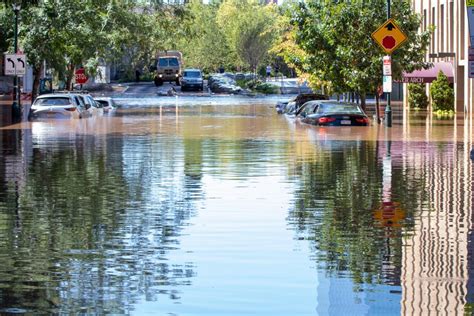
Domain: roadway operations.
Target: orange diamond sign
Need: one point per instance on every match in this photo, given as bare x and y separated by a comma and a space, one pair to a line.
389, 36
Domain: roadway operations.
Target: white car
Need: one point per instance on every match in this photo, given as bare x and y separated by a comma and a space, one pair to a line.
60, 105
108, 103
89, 102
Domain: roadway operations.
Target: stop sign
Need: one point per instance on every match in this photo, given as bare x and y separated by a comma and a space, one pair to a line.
80, 76
388, 42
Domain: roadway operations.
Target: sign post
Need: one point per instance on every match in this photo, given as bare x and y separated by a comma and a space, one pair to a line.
389, 36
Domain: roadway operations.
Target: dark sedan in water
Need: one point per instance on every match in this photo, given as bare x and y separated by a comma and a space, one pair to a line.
332, 113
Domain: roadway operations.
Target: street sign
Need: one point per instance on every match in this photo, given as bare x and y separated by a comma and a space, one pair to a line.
470, 20
471, 62
15, 64
387, 84
387, 66
389, 36
80, 76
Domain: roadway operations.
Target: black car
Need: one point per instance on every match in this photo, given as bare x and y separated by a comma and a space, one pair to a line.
299, 100
332, 113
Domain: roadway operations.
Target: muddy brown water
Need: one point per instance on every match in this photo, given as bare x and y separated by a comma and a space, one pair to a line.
226, 208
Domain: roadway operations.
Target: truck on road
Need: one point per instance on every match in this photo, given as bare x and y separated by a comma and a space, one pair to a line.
169, 67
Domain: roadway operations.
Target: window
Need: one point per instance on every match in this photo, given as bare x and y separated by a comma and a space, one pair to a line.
192, 74
441, 28
59, 101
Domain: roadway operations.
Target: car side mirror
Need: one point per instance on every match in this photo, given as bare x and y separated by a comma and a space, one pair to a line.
303, 114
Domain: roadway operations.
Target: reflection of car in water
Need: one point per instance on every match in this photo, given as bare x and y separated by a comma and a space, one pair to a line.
192, 79
299, 100
332, 113
59, 105
168, 67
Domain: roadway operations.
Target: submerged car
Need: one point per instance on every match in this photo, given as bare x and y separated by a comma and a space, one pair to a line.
332, 113
59, 105
107, 103
192, 79
299, 100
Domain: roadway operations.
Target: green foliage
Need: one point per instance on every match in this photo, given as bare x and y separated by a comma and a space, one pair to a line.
205, 45
442, 94
332, 42
417, 97
250, 30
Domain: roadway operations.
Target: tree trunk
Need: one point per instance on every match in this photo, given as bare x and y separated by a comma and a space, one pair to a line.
362, 100
69, 75
377, 109
37, 70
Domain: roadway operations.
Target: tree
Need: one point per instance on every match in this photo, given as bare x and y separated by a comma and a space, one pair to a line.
338, 48
205, 45
250, 29
417, 97
442, 94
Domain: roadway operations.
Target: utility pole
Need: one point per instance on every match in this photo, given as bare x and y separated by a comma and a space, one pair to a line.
16, 106
388, 109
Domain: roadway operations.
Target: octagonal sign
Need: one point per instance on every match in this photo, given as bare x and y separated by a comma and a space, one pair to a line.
389, 36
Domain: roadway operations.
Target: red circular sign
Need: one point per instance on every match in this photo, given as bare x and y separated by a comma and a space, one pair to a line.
388, 42
80, 76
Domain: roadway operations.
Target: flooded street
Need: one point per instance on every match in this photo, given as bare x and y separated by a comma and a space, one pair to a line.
219, 206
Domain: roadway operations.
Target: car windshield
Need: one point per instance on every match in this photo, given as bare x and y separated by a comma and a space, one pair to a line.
192, 74
58, 101
103, 102
335, 108
171, 61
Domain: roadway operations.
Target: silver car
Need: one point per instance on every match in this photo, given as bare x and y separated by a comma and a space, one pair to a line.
60, 105
192, 79
108, 103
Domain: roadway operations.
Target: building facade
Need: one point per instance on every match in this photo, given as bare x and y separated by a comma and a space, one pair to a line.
449, 44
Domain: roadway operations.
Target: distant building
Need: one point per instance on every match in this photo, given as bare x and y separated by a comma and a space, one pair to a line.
449, 46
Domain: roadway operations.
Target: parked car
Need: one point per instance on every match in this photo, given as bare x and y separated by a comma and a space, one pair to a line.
332, 113
89, 102
300, 99
59, 105
108, 103
192, 79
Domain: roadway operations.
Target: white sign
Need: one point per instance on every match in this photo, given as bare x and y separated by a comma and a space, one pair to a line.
387, 84
15, 64
387, 66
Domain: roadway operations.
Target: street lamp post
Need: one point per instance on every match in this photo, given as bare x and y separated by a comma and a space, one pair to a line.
16, 107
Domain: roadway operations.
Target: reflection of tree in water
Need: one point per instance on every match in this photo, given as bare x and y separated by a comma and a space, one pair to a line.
98, 220
340, 189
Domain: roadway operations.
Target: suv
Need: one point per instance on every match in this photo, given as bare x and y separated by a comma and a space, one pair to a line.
60, 105
192, 79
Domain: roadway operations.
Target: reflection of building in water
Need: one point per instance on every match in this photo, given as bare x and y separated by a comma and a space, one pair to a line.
435, 264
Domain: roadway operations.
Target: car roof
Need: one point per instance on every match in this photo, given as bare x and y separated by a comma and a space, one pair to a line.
103, 98
192, 69
56, 95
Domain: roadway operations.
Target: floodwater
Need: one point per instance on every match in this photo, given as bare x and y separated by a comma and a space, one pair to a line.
222, 207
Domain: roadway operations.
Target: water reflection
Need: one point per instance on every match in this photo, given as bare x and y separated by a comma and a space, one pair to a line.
234, 210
